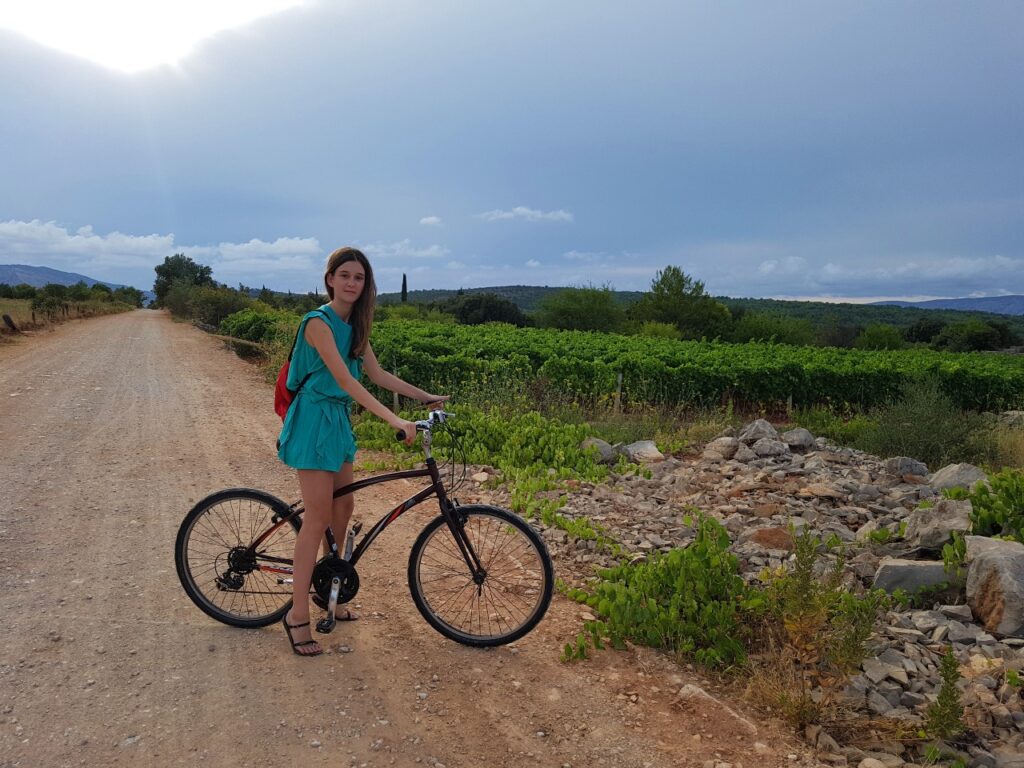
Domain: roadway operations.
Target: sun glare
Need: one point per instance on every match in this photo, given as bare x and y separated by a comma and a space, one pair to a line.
131, 35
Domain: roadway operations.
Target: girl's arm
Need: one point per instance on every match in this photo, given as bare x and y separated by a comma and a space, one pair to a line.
382, 378
319, 336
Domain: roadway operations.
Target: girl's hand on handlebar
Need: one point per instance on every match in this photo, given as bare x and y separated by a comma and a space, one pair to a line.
406, 427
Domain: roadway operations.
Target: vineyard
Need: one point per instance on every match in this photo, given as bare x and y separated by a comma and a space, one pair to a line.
598, 367
587, 366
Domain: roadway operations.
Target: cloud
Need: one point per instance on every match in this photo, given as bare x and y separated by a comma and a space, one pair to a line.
121, 258
404, 249
533, 263
527, 214
431, 221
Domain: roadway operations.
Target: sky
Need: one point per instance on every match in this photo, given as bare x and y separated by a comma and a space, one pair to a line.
822, 149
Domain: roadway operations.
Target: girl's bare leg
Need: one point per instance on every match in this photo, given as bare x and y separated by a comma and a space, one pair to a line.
317, 489
341, 515
341, 512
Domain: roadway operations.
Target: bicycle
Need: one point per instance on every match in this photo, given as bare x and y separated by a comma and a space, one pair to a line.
479, 574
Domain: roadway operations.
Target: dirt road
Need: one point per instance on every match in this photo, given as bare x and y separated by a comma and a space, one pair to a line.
110, 429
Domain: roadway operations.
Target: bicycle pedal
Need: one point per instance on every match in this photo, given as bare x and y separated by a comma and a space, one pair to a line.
326, 625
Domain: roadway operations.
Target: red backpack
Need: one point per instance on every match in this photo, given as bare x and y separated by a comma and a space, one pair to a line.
282, 395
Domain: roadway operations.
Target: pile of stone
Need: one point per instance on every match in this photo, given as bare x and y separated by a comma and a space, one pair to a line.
765, 486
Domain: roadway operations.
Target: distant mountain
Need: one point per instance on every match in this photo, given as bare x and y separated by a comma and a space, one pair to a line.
1000, 305
37, 277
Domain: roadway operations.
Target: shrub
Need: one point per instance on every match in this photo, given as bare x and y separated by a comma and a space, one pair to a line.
211, 305
657, 330
924, 423
760, 326
690, 601
879, 336
945, 716
817, 632
582, 309
997, 508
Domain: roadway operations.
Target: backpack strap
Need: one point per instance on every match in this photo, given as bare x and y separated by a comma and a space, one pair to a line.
292, 351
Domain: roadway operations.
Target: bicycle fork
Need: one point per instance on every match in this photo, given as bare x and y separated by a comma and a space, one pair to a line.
468, 553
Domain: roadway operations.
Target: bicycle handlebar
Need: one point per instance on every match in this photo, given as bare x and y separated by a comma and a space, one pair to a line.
425, 425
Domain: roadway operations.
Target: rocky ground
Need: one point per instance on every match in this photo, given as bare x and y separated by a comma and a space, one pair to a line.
764, 487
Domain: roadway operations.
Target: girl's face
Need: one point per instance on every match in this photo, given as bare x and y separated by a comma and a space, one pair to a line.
348, 281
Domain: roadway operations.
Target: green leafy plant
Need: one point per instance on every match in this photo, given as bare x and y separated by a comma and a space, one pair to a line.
954, 555
997, 507
944, 718
690, 601
818, 631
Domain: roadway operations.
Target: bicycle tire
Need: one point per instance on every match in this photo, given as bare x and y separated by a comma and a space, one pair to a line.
230, 520
515, 593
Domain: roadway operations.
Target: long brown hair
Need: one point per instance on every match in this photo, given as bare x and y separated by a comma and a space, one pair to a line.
361, 318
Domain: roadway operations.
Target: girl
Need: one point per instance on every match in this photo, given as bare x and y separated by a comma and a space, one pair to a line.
333, 347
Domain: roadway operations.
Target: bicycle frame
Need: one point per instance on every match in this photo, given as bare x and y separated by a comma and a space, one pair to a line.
436, 487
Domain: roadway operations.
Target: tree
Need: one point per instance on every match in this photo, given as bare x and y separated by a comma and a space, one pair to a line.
879, 336
128, 295
179, 267
923, 330
781, 329
969, 336
582, 309
79, 291
405, 289
677, 298
267, 297
477, 308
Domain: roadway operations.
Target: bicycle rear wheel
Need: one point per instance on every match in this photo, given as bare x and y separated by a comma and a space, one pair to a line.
218, 565
508, 601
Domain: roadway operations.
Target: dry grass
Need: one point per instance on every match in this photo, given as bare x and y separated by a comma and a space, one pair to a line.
20, 310
1009, 447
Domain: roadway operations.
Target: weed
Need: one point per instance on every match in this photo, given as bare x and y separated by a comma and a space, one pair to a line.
944, 718
690, 601
924, 422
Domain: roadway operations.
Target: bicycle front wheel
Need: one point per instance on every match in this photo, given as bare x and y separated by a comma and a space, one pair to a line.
506, 601
221, 569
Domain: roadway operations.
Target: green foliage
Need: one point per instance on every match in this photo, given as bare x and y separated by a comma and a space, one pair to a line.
581, 309
969, 336
1013, 678
584, 367
657, 330
923, 330
179, 268
690, 601
843, 429
819, 629
997, 507
924, 422
678, 299
261, 324
944, 718
211, 305
954, 555
776, 328
478, 308
879, 336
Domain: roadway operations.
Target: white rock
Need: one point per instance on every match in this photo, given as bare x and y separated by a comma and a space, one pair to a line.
956, 475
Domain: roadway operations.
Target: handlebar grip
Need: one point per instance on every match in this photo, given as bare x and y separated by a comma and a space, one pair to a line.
400, 435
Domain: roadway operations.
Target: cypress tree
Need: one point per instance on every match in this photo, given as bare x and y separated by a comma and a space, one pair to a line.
405, 289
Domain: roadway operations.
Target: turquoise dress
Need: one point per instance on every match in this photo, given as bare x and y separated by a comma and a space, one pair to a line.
317, 431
